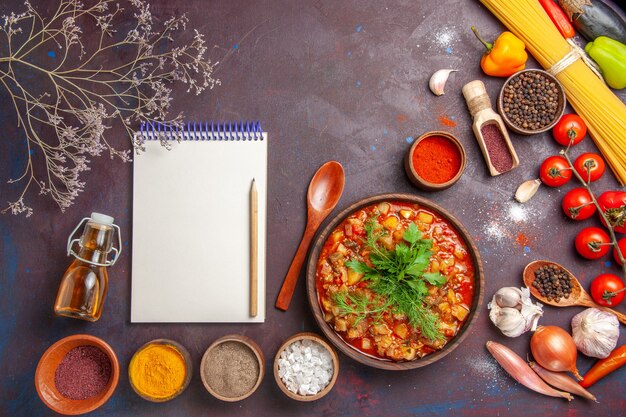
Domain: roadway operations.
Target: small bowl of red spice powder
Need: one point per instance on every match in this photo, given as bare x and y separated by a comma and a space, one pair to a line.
77, 374
435, 161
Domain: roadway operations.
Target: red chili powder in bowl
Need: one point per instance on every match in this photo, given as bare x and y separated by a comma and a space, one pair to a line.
436, 159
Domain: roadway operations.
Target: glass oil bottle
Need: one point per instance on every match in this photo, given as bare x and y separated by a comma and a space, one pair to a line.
84, 285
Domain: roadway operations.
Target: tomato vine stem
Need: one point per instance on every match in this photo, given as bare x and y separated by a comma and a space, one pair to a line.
609, 225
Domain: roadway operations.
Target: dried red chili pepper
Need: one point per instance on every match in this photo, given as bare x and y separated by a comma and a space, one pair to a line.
605, 366
558, 17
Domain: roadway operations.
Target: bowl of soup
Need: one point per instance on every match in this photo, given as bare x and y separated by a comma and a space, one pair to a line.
395, 281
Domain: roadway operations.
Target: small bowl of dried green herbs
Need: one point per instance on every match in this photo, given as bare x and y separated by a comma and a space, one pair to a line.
531, 101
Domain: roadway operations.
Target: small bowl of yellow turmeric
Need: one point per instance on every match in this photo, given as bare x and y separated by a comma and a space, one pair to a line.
160, 370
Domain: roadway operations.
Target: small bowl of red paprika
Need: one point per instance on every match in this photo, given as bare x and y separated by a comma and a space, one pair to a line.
435, 161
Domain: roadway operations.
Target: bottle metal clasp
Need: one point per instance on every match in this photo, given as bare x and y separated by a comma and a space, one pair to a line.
116, 254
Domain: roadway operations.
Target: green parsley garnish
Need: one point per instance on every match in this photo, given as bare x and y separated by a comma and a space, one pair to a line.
398, 277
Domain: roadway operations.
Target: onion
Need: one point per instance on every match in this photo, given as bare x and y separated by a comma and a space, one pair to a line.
521, 372
561, 381
554, 349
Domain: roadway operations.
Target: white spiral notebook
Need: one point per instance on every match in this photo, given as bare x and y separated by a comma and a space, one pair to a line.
191, 223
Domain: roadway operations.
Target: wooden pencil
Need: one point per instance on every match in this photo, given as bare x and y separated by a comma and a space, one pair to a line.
254, 248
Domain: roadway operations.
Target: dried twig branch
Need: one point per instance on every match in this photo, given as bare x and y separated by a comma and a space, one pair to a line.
119, 79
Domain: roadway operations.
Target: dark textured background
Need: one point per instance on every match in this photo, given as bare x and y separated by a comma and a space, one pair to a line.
329, 80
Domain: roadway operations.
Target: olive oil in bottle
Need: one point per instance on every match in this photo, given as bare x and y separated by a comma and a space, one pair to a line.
84, 284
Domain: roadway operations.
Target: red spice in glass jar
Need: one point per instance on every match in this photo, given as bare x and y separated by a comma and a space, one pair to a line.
436, 159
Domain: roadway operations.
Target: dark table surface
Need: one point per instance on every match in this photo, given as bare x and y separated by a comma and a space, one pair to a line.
328, 80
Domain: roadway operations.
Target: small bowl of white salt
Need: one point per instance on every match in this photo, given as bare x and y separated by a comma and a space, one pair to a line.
306, 367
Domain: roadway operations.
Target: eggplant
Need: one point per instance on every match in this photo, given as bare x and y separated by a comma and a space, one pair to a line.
597, 19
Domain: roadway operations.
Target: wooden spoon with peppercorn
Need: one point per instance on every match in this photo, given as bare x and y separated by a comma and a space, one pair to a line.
544, 271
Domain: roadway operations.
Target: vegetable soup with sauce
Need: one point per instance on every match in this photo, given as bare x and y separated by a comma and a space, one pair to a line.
395, 281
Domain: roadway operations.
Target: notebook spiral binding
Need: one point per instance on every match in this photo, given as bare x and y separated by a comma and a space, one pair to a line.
192, 131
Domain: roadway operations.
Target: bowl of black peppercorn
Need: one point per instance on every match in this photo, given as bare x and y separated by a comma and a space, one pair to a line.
531, 101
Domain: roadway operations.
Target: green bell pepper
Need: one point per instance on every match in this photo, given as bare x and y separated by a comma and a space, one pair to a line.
610, 55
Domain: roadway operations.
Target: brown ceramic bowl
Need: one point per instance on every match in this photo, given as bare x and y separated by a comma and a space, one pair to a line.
188, 369
50, 360
351, 351
245, 341
423, 183
333, 379
560, 105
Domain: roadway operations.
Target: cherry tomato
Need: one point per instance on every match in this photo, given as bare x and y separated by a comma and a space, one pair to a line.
622, 248
569, 130
613, 204
604, 287
592, 243
555, 171
577, 204
590, 163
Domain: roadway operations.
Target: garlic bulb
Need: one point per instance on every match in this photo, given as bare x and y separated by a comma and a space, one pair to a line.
513, 312
438, 81
508, 297
595, 332
509, 320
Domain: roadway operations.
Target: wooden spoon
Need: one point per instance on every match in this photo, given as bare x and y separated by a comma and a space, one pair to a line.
578, 297
324, 192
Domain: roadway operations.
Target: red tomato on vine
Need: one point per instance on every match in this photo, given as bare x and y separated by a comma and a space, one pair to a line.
569, 130
590, 166
605, 290
577, 204
592, 243
555, 171
613, 204
622, 248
